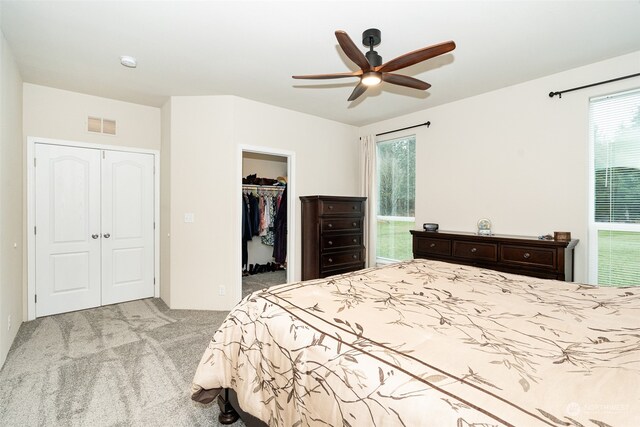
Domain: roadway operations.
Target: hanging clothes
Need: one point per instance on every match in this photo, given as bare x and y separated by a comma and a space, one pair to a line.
280, 226
247, 233
270, 216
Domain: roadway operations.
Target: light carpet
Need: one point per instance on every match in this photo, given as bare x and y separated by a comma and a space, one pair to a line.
257, 282
128, 364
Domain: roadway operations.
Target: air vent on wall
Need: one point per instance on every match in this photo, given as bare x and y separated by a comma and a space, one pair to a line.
100, 125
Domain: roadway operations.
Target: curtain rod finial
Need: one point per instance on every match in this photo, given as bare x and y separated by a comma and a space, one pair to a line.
552, 94
428, 124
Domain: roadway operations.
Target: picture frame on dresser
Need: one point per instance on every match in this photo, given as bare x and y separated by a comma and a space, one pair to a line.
529, 256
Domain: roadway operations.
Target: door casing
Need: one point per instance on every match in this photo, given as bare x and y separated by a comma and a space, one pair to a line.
31, 141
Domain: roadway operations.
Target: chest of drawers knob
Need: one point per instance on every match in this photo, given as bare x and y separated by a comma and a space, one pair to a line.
355, 240
330, 260
355, 224
433, 245
354, 256
474, 250
329, 225
330, 243
526, 255
330, 207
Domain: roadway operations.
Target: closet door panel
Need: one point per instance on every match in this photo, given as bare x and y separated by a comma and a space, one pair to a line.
127, 226
67, 212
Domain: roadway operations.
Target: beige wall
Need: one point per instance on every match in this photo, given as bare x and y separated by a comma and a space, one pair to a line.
514, 156
206, 134
11, 213
60, 114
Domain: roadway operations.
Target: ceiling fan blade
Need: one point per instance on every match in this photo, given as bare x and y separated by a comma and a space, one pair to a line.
416, 56
330, 76
351, 50
359, 90
398, 79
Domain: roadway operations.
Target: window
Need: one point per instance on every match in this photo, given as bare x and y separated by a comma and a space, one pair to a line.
615, 190
396, 179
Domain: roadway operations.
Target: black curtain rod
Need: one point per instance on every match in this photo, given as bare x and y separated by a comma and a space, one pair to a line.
552, 94
427, 124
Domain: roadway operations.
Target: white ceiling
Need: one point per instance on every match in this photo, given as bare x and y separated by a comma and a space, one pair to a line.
251, 49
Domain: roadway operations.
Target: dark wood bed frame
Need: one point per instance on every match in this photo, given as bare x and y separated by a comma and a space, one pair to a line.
230, 410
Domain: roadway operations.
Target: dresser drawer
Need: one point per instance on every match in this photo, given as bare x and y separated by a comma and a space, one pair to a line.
432, 246
340, 242
540, 257
340, 207
340, 224
332, 260
474, 250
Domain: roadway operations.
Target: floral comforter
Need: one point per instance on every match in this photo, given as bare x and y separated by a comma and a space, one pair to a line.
430, 343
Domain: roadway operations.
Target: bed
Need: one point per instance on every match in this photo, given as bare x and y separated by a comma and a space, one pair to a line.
430, 343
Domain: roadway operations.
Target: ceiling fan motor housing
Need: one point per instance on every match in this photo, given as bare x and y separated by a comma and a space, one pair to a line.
371, 38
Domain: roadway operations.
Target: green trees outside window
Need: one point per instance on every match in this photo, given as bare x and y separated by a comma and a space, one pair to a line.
396, 177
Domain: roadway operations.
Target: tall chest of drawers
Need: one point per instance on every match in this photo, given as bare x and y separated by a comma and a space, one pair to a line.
529, 256
332, 235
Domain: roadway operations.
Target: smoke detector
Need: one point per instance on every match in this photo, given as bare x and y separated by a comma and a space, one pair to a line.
129, 61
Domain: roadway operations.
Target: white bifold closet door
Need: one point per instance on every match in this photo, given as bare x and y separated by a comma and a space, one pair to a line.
94, 227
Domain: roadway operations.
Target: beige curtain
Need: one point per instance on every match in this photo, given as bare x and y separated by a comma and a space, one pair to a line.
368, 189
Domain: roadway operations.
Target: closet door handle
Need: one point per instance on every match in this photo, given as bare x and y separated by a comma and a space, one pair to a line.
95, 236
107, 235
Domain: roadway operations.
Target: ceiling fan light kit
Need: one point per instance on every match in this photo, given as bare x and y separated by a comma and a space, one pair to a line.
371, 78
373, 71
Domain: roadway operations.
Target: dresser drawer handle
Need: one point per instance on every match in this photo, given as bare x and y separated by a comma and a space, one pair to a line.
330, 243
433, 245
330, 260
330, 207
355, 256
474, 250
329, 225
526, 255
353, 207
355, 240
354, 224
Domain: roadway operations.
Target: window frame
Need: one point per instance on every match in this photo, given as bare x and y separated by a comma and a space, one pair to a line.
379, 259
594, 227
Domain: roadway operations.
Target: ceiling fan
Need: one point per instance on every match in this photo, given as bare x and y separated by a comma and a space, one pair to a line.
372, 71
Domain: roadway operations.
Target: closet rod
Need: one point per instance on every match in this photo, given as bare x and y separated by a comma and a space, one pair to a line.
559, 93
263, 187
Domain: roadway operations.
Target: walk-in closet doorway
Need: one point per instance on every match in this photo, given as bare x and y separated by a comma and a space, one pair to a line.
267, 197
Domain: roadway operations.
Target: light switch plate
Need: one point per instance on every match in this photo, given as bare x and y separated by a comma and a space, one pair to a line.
188, 217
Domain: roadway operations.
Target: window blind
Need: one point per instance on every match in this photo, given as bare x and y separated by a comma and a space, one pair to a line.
615, 129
